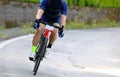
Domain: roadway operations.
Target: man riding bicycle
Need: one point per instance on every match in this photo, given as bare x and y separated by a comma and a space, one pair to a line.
53, 12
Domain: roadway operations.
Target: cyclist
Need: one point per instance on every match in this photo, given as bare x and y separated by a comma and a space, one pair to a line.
50, 11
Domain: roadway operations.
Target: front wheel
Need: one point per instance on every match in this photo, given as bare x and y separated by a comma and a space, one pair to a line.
43, 50
41, 53
37, 63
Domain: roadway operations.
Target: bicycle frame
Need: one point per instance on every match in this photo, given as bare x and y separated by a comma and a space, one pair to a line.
48, 28
44, 36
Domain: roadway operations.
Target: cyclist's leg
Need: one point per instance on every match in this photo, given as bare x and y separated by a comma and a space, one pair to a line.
37, 35
53, 36
54, 33
35, 41
52, 39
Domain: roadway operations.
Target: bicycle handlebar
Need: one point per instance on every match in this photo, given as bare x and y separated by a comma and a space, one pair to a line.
45, 23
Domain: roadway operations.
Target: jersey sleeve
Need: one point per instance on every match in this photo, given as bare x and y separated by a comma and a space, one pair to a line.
64, 8
43, 4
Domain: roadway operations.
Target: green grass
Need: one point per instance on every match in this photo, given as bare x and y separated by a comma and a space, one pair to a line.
1, 35
83, 3
27, 27
1, 27
81, 25
32, 1
95, 3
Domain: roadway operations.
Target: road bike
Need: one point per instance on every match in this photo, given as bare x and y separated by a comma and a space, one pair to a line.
42, 45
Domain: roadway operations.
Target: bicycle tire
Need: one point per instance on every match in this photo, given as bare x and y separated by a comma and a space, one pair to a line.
37, 63
39, 46
41, 54
44, 48
37, 57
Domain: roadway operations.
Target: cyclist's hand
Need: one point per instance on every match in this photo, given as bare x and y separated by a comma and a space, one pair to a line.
61, 32
36, 24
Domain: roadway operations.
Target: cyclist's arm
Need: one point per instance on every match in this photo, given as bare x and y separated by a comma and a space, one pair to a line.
63, 20
41, 9
39, 13
63, 14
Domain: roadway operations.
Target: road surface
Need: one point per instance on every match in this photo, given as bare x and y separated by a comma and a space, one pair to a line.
81, 53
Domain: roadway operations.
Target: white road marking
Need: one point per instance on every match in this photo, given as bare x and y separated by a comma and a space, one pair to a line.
10, 74
12, 40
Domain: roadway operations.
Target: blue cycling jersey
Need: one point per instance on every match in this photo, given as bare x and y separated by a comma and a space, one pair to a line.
53, 10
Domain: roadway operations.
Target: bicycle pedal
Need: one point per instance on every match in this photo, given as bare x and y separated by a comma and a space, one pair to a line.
31, 59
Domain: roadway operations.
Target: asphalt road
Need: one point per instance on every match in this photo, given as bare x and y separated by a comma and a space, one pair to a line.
81, 53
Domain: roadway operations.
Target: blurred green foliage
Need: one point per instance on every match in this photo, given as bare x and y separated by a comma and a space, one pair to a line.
95, 3
84, 3
1, 35
81, 25
34, 1
90, 3
1, 27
